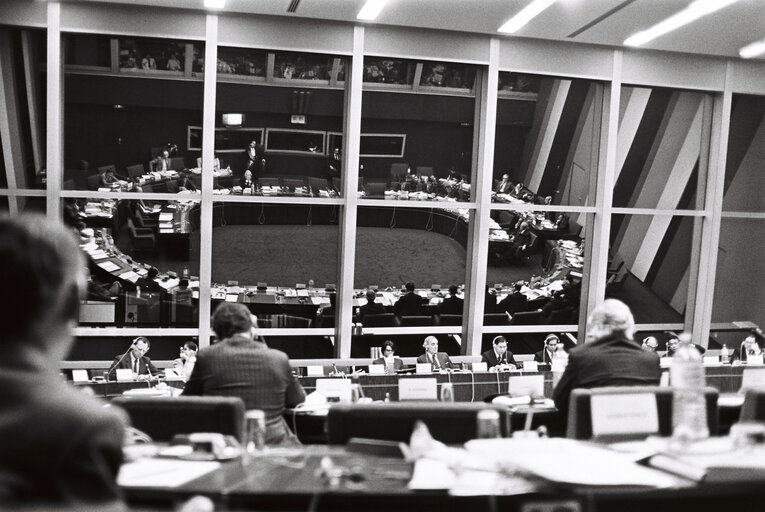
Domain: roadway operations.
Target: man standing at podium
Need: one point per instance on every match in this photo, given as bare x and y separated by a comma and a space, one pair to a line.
239, 366
61, 448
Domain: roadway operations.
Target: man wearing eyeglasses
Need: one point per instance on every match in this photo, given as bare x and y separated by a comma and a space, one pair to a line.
135, 359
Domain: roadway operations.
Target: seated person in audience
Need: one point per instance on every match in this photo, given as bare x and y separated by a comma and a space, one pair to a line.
499, 358
504, 186
545, 355
62, 449
558, 301
256, 159
327, 310
183, 294
246, 181
562, 223
239, 366
452, 305
392, 364
148, 283
515, 301
650, 344
609, 357
185, 183
135, 359
162, 162
489, 300
409, 304
673, 343
333, 166
371, 307
438, 360
110, 179
749, 347
99, 291
184, 365
549, 215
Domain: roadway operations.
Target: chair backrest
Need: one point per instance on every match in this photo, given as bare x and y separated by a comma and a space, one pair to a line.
416, 320
317, 183
495, 319
133, 171
381, 320
398, 170
580, 413
375, 188
526, 318
163, 417
450, 320
450, 423
424, 170
754, 405
326, 321
172, 186
69, 185
104, 168
177, 163
561, 316
292, 183
94, 181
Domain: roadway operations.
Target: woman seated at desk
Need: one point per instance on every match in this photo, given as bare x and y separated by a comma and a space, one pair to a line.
392, 364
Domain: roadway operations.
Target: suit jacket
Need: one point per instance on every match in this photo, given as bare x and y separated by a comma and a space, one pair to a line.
543, 356
610, 361
443, 360
398, 364
247, 369
409, 304
504, 187
148, 285
145, 366
513, 303
490, 358
371, 308
451, 306
162, 164
61, 446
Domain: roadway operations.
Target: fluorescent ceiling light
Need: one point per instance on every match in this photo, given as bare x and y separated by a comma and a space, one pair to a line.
215, 4
371, 10
753, 49
526, 14
694, 11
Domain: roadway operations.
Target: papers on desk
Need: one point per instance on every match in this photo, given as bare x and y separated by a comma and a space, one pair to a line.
129, 276
232, 297
166, 217
317, 301
162, 472
109, 266
170, 283
388, 298
302, 293
568, 461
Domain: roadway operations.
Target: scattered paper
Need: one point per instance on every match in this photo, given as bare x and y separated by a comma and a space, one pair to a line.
162, 473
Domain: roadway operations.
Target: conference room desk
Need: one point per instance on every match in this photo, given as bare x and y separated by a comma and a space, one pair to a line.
367, 482
109, 390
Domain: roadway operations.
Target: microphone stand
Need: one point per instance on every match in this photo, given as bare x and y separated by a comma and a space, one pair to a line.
118, 361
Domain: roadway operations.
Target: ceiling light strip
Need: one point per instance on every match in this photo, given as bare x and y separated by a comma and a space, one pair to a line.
371, 10
694, 11
526, 14
752, 50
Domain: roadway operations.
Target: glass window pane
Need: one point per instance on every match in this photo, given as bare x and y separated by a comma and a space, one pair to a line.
242, 62
547, 139
302, 66
87, 50
743, 169
385, 70
447, 74
278, 259
738, 294
143, 258
23, 204
661, 146
121, 131
649, 265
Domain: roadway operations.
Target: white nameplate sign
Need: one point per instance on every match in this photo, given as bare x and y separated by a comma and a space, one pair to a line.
124, 374
480, 367
527, 385
665, 362
711, 361
424, 368
530, 366
753, 378
171, 374
314, 370
376, 369
754, 360
624, 414
80, 376
417, 389
335, 389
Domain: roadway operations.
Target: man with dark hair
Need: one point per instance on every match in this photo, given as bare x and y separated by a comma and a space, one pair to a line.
452, 305
545, 355
149, 283
609, 357
239, 366
371, 307
499, 358
61, 448
409, 304
514, 302
184, 365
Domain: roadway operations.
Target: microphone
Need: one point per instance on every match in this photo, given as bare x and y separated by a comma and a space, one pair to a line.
119, 360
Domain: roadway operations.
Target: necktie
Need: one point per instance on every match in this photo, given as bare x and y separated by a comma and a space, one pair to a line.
435, 361
135, 365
